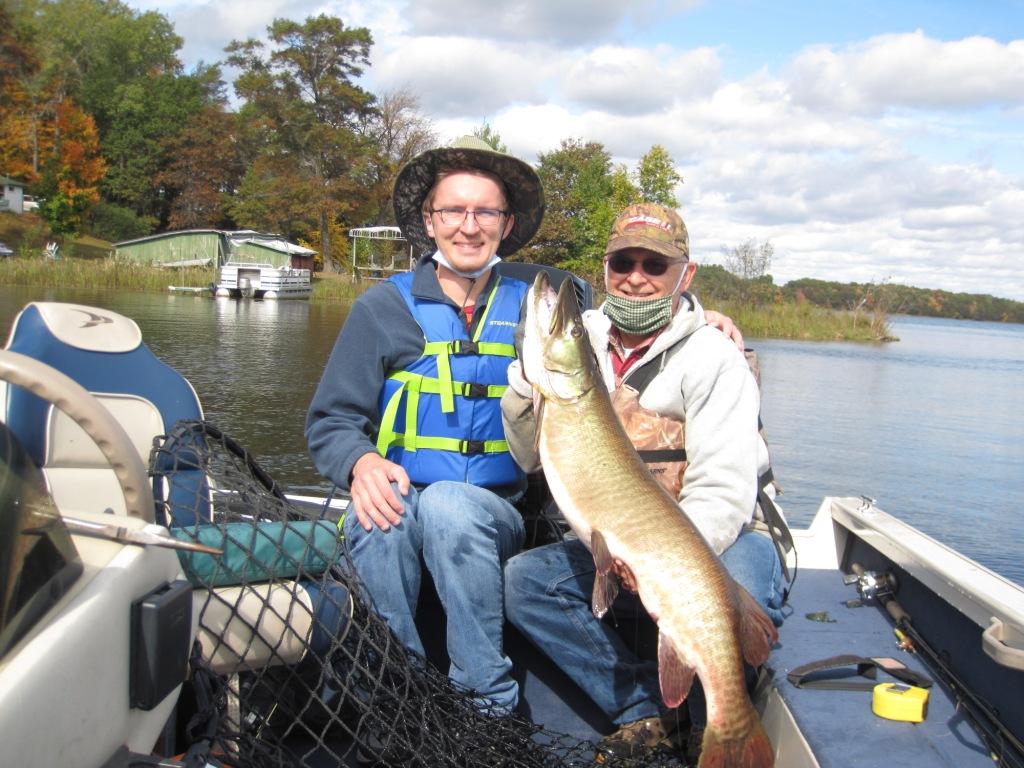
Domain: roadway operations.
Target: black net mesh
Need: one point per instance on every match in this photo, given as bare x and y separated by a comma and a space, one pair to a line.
291, 667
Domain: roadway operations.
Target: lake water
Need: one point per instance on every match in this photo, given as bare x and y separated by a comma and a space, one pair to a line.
931, 426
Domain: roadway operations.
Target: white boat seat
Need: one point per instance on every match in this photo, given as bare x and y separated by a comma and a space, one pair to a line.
77, 472
104, 352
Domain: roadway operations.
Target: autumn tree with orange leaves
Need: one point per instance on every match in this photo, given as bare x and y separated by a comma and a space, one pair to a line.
71, 170
18, 63
46, 139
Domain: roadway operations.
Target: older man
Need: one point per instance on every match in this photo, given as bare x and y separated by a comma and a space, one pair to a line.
407, 413
690, 404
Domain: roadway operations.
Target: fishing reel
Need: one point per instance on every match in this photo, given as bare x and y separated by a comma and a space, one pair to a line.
872, 586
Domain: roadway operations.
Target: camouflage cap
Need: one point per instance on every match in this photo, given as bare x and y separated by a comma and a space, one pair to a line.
522, 187
652, 227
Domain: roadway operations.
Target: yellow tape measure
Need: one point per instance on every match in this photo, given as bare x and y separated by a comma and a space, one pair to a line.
899, 701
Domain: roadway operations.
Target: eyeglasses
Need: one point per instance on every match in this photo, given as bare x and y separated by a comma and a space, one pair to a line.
486, 218
653, 266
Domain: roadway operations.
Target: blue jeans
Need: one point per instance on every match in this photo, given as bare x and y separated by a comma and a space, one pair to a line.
463, 534
547, 598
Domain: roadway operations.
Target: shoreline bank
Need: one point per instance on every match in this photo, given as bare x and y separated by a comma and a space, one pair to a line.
801, 321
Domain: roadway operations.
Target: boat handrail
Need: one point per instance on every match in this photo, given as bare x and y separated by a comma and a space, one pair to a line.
993, 602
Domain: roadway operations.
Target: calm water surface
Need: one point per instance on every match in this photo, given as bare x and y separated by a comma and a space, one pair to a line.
932, 426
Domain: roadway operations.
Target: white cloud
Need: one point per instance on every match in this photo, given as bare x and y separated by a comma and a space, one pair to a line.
208, 27
641, 81
463, 77
911, 70
565, 21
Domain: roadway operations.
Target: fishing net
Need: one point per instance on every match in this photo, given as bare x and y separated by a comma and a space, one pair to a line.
291, 666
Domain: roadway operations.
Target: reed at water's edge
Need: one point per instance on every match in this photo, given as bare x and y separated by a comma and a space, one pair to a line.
797, 320
110, 273
792, 320
329, 288
787, 320
99, 273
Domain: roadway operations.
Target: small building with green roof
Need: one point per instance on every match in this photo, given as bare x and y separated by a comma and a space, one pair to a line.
214, 247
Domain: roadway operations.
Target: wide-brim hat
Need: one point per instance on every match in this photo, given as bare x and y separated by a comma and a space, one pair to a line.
522, 188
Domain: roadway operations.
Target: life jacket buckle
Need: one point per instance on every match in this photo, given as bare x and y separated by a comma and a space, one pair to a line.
471, 447
474, 391
463, 347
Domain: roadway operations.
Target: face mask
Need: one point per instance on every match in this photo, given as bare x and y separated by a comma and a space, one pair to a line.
639, 317
440, 258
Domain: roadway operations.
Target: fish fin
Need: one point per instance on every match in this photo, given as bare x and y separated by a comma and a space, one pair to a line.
538, 414
674, 674
750, 750
757, 633
606, 583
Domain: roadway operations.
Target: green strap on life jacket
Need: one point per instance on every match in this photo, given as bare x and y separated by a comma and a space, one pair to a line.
415, 383
444, 349
454, 444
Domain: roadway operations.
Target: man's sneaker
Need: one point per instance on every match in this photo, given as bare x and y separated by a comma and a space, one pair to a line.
641, 736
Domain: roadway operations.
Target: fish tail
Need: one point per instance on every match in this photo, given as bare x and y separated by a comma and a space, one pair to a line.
749, 750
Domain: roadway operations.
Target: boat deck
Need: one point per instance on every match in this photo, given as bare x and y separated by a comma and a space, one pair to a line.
839, 726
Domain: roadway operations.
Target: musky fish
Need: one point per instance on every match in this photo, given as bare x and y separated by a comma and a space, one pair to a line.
707, 624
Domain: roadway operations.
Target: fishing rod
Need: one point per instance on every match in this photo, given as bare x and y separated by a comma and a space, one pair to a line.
1005, 748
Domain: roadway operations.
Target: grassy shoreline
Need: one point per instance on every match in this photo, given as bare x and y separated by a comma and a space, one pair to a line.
805, 322
801, 321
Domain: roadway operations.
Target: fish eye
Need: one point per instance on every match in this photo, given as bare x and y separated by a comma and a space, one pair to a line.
576, 331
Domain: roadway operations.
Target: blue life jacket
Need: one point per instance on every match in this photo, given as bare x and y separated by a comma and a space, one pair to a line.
441, 416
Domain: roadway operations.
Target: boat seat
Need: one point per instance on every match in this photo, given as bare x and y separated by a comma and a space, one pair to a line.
104, 352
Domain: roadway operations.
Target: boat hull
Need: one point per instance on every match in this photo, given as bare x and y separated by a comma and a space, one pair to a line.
261, 281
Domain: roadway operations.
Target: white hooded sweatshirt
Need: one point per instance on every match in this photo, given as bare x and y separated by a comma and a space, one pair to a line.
706, 383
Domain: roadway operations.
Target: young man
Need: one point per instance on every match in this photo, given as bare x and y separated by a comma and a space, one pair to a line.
414, 429
699, 412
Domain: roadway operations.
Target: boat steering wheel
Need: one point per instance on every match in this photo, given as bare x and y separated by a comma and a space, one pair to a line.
78, 403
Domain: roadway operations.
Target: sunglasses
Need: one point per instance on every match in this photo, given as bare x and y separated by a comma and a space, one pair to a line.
653, 266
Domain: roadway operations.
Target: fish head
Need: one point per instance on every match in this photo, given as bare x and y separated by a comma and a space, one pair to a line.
557, 357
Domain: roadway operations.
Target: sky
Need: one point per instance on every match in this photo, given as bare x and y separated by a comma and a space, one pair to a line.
867, 141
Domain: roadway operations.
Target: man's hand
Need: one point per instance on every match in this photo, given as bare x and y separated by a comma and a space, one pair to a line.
517, 380
725, 324
628, 580
373, 497
626, 577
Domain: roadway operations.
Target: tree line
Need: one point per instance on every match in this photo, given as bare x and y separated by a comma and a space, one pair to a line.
100, 119
716, 284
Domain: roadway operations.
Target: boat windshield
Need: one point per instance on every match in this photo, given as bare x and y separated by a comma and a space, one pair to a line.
38, 560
